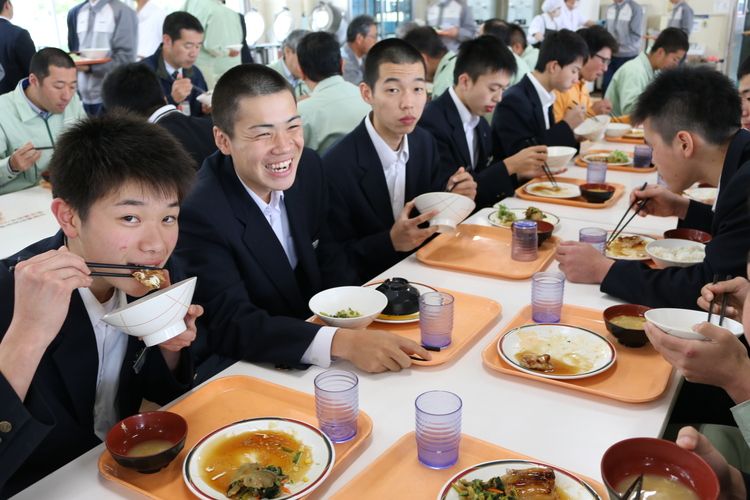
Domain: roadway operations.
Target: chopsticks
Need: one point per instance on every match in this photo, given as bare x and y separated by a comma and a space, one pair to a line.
724, 298
112, 266
711, 305
42, 148
547, 172
636, 488
619, 229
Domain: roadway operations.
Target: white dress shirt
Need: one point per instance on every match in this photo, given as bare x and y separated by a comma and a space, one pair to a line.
161, 112
319, 351
470, 123
547, 98
394, 167
111, 345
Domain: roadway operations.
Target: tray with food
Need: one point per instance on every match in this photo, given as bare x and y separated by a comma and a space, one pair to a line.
570, 192
638, 375
223, 409
485, 250
485, 468
615, 160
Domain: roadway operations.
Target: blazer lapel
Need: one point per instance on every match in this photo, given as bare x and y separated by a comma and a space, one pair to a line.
372, 178
484, 144
294, 201
536, 104
457, 133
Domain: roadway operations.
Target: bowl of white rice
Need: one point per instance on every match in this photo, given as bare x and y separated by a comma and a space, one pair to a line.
676, 253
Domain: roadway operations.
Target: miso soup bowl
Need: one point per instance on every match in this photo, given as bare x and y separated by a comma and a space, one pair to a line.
148, 426
636, 456
629, 337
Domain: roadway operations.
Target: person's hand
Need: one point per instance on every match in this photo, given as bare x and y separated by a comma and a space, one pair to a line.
722, 361
43, 286
181, 89
234, 52
528, 162
176, 344
462, 182
24, 158
406, 235
375, 351
451, 32
736, 290
582, 263
206, 109
662, 202
574, 116
602, 107
731, 484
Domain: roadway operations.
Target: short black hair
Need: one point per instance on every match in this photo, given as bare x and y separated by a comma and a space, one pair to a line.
562, 46
98, 155
671, 40
517, 35
697, 99
390, 50
744, 68
360, 25
180, 20
497, 28
483, 55
49, 56
596, 38
427, 41
245, 80
133, 87
319, 55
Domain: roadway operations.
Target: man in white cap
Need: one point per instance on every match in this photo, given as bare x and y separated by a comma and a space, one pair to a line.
545, 22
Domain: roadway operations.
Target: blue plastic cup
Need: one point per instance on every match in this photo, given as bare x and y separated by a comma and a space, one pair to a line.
547, 297
596, 172
595, 236
642, 156
337, 404
524, 245
436, 318
438, 428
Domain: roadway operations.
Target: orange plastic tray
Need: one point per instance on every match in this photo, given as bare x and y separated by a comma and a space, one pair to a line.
639, 375
626, 140
398, 470
573, 202
472, 315
217, 404
637, 170
483, 250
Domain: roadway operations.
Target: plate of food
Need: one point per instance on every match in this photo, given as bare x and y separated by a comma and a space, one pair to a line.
556, 351
628, 247
615, 158
403, 300
547, 190
515, 479
505, 217
705, 195
270, 457
634, 133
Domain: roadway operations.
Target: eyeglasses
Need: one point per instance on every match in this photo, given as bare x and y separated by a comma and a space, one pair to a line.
603, 59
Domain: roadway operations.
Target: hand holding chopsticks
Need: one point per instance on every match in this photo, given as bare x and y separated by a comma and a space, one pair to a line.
735, 290
98, 265
547, 172
638, 204
724, 297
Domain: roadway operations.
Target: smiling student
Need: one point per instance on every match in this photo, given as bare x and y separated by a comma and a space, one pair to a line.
375, 171
484, 68
254, 232
66, 377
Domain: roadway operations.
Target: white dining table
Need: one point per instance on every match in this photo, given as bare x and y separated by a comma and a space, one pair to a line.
560, 426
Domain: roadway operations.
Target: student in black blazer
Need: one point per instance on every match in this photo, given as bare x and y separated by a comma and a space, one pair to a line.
254, 232
704, 128
65, 377
484, 68
16, 49
376, 170
525, 114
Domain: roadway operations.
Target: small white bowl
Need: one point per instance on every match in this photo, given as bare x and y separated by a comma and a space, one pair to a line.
671, 244
617, 129
157, 317
593, 128
366, 300
205, 98
94, 53
680, 322
452, 209
559, 156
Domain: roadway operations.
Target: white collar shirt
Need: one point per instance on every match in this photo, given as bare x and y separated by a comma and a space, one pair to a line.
470, 123
547, 98
161, 112
111, 346
394, 166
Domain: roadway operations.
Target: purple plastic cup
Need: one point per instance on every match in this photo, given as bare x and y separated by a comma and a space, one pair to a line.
547, 297
523, 245
337, 404
593, 235
436, 318
642, 156
596, 172
438, 428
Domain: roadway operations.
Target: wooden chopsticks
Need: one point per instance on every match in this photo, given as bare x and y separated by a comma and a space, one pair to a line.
618, 229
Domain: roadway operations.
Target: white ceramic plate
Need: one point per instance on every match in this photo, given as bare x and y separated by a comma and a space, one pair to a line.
705, 195
321, 447
567, 190
519, 213
576, 346
409, 318
597, 157
572, 486
618, 256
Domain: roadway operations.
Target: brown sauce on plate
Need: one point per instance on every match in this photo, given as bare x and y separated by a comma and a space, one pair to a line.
558, 366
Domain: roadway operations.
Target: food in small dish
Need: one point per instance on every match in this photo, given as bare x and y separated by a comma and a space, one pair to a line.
151, 279
655, 486
597, 193
626, 322
531, 483
543, 231
628, 247
343, 313
505, 217
367, 302
148, 441
686, 233
679, 253
615, 157
629, 322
